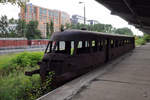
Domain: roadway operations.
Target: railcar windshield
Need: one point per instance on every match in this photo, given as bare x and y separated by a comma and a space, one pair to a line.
64, 47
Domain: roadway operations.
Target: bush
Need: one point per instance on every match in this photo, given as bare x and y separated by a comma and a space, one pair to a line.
14, 85
139, 41
27, 59
146, 37
17, 87
19, 61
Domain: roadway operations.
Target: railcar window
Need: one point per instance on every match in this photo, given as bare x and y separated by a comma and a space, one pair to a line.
86, 44
83, 47
94, 46
72, 48
54, 46
48, 48
125, 41
112, 43
93, 43
105, 42
62, 45
101, 45
80, 44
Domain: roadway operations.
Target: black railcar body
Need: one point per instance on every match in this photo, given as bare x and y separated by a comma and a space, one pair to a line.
73, 52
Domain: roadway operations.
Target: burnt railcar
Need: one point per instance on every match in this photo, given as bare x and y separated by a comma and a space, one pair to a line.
73, 52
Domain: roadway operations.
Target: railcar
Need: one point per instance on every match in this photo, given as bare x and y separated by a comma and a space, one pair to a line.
73, 52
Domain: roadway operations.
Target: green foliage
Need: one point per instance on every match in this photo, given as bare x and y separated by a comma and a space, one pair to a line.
103, 28
139, 41
21, 28
19, 61
39, 90
27, 59
17, 86
3, 26
32, 31
142, 40
124, 31
147, 37
12, 21
51, 27
21, 3
48, 30
62, 28
67, 25
5, 65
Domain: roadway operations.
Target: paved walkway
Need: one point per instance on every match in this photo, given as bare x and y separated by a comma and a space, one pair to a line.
20, 50
127, 80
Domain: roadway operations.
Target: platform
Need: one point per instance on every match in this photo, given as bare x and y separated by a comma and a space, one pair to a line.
128, 80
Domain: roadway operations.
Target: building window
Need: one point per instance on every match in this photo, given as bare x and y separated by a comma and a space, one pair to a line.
40, 17
44, 11
50, 13
56, 14
40, 11
30, 10
34, 9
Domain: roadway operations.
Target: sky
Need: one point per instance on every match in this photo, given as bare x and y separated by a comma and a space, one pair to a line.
94, 11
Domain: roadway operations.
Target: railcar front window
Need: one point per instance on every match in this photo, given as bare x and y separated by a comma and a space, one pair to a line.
54, 46
48, 49
51, 47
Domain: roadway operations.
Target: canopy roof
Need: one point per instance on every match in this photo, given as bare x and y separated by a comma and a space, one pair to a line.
136, 12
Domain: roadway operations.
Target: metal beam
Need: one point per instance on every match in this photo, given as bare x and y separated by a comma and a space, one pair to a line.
132, 11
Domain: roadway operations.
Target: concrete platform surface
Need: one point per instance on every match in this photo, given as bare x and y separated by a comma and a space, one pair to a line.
127, 80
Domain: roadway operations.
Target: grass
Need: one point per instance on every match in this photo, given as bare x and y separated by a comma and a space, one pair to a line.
5, 59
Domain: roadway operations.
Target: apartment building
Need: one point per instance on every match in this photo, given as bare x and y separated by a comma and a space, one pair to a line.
43, 16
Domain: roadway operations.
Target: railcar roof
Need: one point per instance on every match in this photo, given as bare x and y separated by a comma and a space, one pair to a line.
70, 35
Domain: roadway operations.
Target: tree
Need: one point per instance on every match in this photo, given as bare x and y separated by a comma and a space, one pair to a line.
47, 30
147, 37
62, 28
21, 27
32, 31
18, 2
67, 25
108, 28
12, 21
125, 31
3, 26
51, 27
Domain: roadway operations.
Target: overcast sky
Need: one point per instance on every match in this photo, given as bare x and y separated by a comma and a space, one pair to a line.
94, 11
